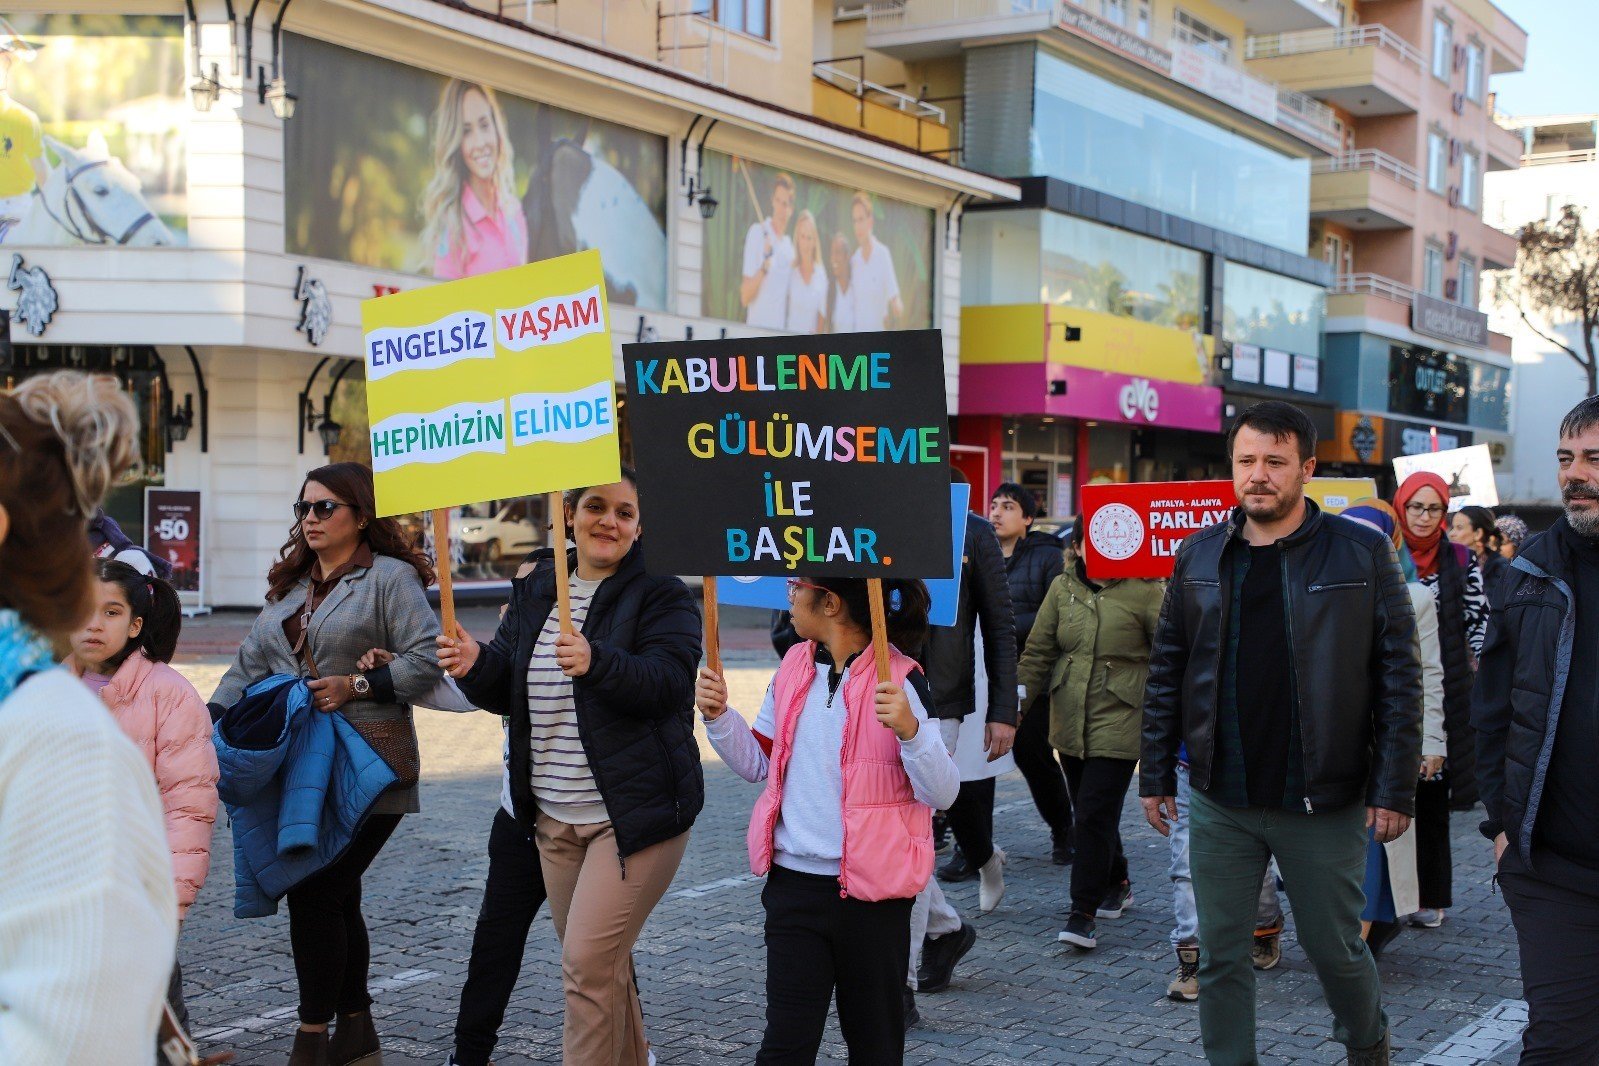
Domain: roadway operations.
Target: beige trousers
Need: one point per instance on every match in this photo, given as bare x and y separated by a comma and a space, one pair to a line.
598, 915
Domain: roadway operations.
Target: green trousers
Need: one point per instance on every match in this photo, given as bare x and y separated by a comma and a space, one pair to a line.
1323, 861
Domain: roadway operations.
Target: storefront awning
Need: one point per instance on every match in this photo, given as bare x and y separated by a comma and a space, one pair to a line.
1099, 395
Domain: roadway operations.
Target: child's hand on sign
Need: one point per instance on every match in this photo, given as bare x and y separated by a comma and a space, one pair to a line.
710, 694
894, 711
572, 654
458, 653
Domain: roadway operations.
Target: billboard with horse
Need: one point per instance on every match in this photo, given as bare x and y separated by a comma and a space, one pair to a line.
93, 114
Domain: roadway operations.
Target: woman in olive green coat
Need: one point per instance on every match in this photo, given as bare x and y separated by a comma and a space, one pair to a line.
1089, 650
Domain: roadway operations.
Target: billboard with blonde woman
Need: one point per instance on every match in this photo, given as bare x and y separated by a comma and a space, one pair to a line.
450, 178
795, 253
93, 115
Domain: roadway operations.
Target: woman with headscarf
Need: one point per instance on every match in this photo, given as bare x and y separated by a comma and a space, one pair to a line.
1391, 885
1448, 569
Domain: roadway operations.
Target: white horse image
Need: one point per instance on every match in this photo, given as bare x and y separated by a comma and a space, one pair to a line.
89, 198
608, 214
36, 304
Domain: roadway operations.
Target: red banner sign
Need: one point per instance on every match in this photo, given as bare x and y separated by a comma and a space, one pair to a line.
1134, 530
172, 532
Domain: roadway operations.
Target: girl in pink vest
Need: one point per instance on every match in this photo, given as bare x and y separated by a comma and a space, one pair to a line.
122, 655
844, 828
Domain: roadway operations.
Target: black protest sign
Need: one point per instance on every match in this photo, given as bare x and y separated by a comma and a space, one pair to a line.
793, 456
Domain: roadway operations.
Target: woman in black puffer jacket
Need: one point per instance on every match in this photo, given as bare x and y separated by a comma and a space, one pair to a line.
604, 768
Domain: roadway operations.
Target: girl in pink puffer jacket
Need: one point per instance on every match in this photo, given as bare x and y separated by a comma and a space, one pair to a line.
122, 654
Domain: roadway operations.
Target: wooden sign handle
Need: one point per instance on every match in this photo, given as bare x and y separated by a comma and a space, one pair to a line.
874, 596
442, 562
713, 637
563, 594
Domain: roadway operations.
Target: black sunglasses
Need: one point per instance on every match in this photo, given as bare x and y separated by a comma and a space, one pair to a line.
323, 509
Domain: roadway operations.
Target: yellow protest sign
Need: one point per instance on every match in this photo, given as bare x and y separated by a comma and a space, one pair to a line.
1335, 494
492, 386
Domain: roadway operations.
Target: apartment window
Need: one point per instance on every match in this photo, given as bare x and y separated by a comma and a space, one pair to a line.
1468, 281
745, 16
1114, 11
1432, 270
1469, 181
1474, 77
1146, 23
1443, 47
1338, 253
1186, 29
1437, 161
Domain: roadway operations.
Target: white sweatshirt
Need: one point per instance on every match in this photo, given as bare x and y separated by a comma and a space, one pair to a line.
810, 827
88, 915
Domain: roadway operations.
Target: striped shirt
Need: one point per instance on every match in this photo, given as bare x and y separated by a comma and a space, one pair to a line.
562, 782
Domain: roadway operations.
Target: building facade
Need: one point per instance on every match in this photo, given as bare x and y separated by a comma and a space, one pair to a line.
209, 190
1398, 213
1559, 166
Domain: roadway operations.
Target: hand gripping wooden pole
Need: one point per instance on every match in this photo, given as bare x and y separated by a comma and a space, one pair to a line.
563, 594
874, 596
713, 638
442, 561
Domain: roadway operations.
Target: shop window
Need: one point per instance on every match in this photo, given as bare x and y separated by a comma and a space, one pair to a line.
1266, 309
1443, 46
744, 16
1098, 268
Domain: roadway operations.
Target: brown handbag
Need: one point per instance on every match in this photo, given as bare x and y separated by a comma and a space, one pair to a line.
394, 739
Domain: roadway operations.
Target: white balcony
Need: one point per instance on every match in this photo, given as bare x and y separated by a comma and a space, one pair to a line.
1366, 70
1282, 16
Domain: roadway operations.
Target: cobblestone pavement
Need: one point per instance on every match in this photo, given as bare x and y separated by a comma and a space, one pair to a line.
1018, 997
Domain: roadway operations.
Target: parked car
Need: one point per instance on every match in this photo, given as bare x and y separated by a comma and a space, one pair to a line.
495, 531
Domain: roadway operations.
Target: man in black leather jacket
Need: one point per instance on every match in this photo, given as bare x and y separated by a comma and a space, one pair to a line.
1286, 659
1536, 710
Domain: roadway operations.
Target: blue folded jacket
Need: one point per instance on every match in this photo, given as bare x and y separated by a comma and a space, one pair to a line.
297, 784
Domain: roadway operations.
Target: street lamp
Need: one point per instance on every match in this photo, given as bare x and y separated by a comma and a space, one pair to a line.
330, 432
276, 92
206, 89
180, 421
702, 195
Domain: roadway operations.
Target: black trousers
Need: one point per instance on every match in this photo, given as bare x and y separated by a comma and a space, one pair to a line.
1036, 760
511, 898
1558, 932
1434, 869
971, 820
1099, 787
327, 932
819, 944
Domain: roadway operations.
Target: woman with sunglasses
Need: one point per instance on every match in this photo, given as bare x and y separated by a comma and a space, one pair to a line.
345, 581
603, 768
1449, 570
844, 829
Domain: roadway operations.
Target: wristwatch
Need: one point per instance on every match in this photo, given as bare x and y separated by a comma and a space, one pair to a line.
360, 687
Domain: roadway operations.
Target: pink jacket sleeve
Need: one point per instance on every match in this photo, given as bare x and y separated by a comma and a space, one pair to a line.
186, 772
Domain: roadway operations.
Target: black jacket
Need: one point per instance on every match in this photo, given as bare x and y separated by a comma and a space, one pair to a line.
1521, 685
950, 657
1355, 664
635, 713
1036, 561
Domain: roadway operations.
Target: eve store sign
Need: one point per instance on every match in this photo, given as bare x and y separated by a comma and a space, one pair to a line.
1138, 398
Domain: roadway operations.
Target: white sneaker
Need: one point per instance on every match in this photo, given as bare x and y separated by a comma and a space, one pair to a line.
991, 882
1427, 918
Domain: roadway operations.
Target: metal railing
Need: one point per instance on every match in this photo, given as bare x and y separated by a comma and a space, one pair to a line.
1273, 45
890, 15
870, 90
1369, 159
1309, 111
1372, 285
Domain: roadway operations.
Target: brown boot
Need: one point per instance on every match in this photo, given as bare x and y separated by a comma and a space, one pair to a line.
1376, 1055
310, 1049
355, 1042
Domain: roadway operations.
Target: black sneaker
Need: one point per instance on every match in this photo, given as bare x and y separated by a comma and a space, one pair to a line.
1120, 898
940, 956
913, 1017
1061, 852
957, 869
941, 837
1079, 932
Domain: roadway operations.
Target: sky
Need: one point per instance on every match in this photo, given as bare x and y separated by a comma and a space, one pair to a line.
1561, 35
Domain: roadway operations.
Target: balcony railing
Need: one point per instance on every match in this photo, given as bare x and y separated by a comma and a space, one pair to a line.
1369, 159
887, 16
863, 89
1544, 159
1304, 111
1274, 45
1372, 285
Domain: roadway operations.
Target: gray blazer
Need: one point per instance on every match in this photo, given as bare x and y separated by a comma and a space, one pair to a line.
384, 607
